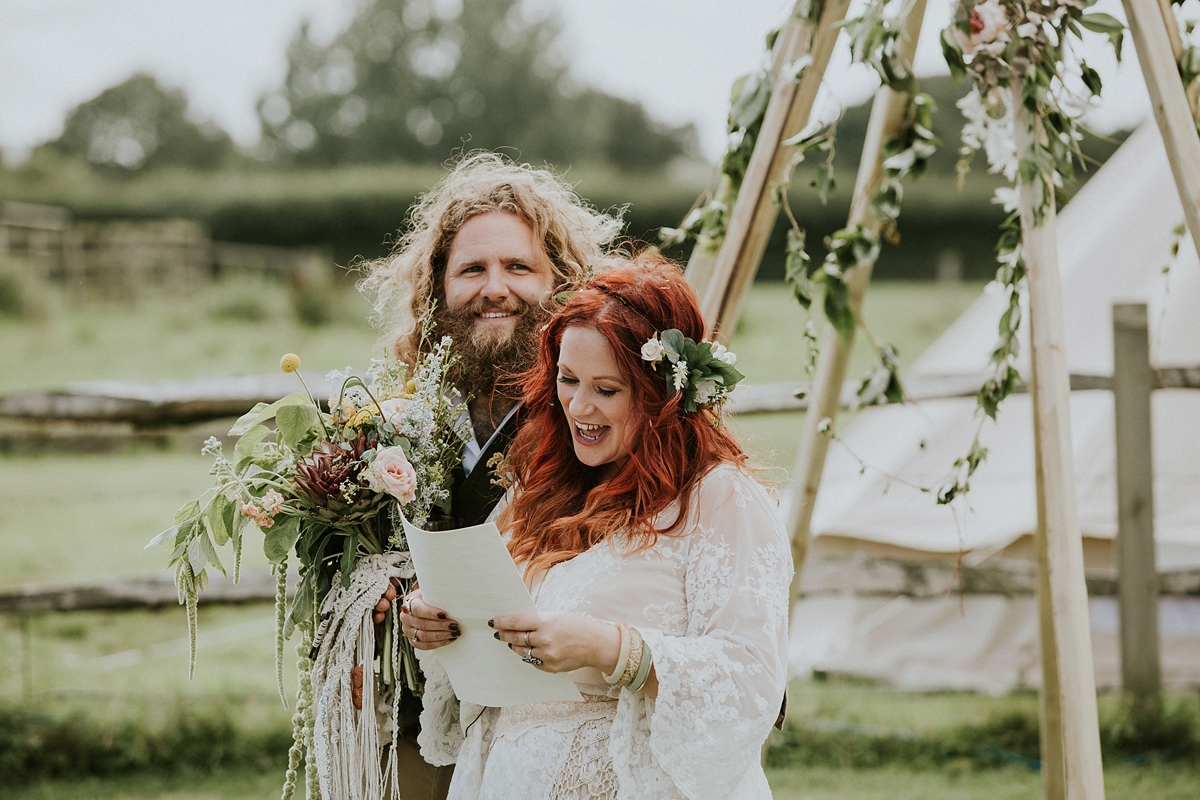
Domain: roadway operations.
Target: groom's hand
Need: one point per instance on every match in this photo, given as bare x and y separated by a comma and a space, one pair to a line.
385, 602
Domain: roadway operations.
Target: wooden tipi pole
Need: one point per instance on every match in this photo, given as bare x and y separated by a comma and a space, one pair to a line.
1151, 27
887, 115
725, 272
1071, 766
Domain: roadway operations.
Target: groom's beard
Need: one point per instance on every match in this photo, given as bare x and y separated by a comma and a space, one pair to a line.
488, 359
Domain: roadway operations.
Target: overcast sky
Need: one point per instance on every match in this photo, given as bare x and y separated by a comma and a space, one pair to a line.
679, 57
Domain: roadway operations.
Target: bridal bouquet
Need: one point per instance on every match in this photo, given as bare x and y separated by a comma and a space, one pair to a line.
327, 489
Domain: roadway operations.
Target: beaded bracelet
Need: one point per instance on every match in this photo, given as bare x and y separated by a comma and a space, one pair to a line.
623, 660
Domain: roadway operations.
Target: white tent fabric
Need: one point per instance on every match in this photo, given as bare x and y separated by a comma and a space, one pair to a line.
1114, 242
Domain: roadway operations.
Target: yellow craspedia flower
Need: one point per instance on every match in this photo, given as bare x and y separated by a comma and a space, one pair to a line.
410, 388
290, 362
363, 415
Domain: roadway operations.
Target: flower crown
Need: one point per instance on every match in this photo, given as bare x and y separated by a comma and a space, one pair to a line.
702, 371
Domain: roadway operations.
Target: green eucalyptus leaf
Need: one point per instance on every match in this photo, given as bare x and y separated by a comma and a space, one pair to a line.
953, 55
243, 451
188, 513
673, 340
837, 308
297, 423
301, 612
217, 520
347, 562
263, 412
728, 375
1100, 22
280, 537
197, 558
164, 538
210, 552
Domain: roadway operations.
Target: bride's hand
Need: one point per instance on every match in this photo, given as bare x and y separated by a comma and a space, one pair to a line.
563, 642
426, 626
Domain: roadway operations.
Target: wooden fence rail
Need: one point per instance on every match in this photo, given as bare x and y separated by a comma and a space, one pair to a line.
862, 575
130, 593
184, 402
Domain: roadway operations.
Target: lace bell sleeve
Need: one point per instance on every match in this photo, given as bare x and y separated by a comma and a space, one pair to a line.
720, 685
441, 735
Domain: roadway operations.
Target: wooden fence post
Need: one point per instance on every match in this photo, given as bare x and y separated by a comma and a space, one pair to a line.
1071, 766
26, 656
887, 115
1137, 576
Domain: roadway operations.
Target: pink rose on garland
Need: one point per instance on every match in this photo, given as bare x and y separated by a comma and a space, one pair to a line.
391, 472
989, 29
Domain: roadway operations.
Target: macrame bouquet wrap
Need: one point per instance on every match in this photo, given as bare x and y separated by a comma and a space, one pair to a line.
346, 739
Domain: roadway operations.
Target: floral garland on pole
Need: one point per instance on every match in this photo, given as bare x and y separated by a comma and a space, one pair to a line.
874, 40
1024, 70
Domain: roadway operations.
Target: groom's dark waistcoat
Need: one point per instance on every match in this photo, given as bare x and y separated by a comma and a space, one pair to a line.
474, 495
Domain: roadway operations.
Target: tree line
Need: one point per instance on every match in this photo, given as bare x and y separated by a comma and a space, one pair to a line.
406, 80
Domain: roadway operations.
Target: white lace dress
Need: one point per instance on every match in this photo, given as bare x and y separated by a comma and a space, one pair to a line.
712, 606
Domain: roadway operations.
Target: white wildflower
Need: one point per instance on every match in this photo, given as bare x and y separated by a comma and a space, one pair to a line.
990, 125
680, 374
1009, 197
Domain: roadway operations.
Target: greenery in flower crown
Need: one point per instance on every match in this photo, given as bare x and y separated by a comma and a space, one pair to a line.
702, 371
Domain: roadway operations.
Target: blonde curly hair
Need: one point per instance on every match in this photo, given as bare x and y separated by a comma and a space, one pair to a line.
403, 284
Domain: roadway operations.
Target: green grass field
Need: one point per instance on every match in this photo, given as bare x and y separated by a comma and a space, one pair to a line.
1157, 782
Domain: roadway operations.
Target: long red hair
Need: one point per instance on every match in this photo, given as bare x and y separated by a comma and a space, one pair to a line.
564, 507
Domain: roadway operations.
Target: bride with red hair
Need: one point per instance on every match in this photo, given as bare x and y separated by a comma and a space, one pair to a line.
658, 565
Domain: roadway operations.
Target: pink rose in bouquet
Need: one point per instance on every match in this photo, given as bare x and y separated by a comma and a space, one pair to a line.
391, 472
392, 410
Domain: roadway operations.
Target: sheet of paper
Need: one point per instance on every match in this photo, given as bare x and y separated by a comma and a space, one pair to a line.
469, 573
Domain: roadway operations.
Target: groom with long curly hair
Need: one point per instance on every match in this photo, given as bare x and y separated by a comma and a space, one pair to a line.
484, 252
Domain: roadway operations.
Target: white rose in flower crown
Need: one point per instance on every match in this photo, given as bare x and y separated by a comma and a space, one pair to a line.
393, 410
706, 391
653, 350
391, 472
723, 355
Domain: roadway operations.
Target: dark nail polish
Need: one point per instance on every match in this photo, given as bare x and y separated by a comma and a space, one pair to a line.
496, 634
441, 615
454, 627
491, 623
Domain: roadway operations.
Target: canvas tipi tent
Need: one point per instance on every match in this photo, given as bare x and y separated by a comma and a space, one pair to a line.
1114, 242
